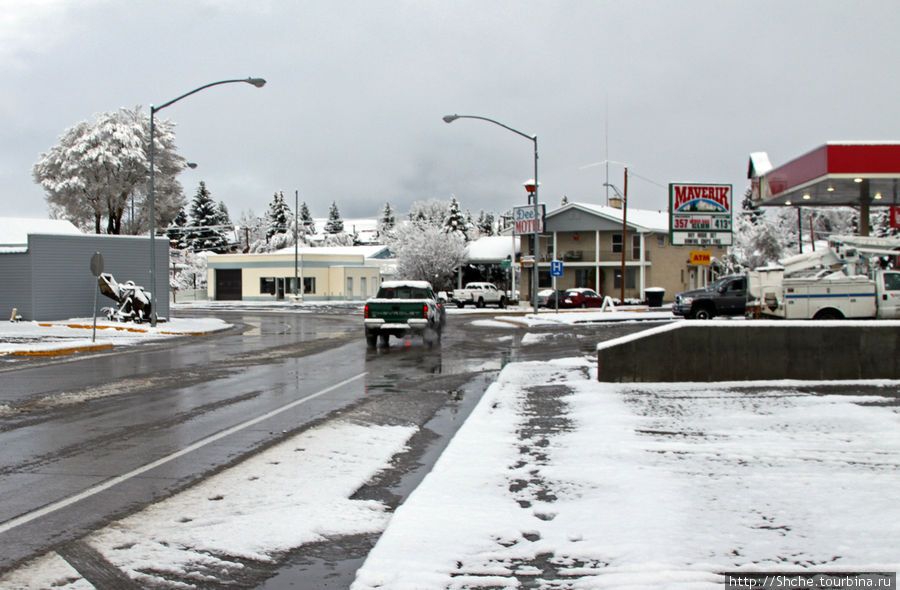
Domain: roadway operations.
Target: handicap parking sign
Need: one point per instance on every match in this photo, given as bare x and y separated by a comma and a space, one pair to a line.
556, 268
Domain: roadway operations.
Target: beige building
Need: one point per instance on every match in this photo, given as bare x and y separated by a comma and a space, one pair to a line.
587, 238
351, 273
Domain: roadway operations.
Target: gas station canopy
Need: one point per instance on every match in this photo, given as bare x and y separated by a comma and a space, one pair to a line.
835, 174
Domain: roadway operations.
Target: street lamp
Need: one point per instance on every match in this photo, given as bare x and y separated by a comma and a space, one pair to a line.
533, 138
259, 83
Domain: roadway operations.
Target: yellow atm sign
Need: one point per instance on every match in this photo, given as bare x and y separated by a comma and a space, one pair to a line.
701, 257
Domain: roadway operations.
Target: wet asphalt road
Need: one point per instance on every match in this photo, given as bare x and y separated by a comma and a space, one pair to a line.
93, 439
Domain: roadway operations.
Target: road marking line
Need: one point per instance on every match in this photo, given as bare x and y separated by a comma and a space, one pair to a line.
50, 508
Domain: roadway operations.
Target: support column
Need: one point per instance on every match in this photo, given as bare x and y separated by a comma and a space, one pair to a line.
864, 200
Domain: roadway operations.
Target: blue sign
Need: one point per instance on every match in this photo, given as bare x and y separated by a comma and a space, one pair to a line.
556, 268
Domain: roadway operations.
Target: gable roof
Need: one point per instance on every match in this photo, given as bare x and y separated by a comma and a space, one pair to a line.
642, 220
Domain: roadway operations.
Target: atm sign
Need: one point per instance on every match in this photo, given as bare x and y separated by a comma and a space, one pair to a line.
701, 257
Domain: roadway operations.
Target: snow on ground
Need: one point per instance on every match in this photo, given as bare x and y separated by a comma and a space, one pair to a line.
61, 336
580, 484
295, 493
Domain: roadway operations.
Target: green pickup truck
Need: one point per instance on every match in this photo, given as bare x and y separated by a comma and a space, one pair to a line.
401, 307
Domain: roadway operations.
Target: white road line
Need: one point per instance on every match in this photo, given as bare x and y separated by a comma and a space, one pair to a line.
50, 508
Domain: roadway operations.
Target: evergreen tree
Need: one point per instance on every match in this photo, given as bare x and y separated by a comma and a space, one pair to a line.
486, 224
335, 224
204, 233
455, 222
386, 222
307, 225
224, 217
176, 232
279, 216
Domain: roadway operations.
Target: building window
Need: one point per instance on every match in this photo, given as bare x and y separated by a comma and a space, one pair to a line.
635, 247
661, 240
583, 277
544, 279
617, 243
630, 278
267, 285
309, 285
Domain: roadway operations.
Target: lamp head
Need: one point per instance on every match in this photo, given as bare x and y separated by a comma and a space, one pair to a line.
258, 82
450, 118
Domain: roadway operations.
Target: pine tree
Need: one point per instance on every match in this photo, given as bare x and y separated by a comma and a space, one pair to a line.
176, 232
486, 224
386, 222
307, 225
204, 233
278, 217
335, 224
224, 217
455, 222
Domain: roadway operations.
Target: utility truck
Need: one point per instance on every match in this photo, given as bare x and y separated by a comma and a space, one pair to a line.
844, 280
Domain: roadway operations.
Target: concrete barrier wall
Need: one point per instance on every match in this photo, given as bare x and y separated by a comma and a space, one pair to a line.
754, 350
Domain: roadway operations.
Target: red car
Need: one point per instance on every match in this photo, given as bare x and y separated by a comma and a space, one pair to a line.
576, 298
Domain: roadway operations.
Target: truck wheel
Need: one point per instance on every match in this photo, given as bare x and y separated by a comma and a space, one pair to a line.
371, 338
828, 314
460, 304
480, 302
502, 303
704, 313
385, 339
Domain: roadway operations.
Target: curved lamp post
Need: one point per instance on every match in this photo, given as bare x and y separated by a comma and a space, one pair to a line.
532, 138
259, 83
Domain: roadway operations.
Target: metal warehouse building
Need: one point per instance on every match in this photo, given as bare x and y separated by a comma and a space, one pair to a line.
46, 274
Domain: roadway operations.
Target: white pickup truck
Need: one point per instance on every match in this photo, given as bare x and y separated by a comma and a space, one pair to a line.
479, 295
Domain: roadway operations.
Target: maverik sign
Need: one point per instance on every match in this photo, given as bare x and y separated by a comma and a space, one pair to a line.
700, 214
524, 220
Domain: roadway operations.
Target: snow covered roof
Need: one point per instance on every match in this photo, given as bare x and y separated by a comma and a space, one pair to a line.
640, 219
365, 251
491, 249
14, 231
759, 164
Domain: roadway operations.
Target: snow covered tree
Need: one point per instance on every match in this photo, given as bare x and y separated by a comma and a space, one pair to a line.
224, 217
252, 229
307, 225
96, 168
334, 225
205, 233
430, 212
279, 216
485, 224
428, 253
455, 221
386, 222
176, 232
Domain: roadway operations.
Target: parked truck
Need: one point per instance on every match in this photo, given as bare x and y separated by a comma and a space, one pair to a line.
725, 297
479, 295
843, 280
403, 307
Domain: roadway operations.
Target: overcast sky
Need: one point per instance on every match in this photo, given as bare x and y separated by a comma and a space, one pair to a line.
681, 91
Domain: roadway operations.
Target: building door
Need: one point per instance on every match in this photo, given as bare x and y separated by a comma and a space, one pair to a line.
349, 288
228, 284
362, 287
279, 289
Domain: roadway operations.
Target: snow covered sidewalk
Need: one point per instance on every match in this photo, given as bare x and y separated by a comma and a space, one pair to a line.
558, 481
75, 335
